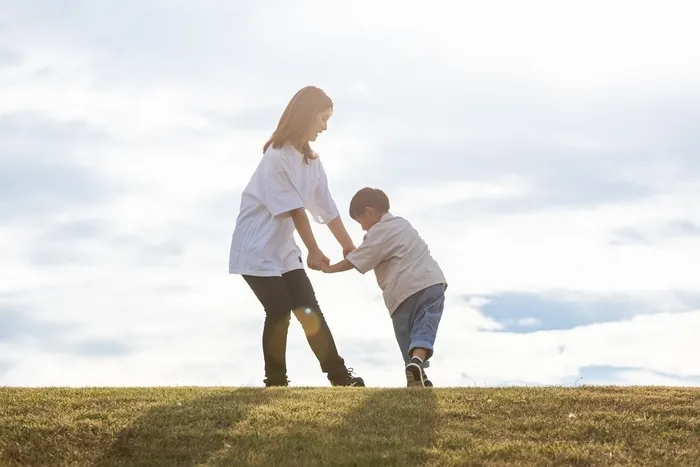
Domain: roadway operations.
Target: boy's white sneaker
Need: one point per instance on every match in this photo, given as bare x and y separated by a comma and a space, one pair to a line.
415, 374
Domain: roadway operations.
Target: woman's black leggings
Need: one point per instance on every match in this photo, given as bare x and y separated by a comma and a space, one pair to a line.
279, 296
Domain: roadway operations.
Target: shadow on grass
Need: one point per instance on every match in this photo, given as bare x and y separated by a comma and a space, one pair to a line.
383, 427
285, 427
187, 433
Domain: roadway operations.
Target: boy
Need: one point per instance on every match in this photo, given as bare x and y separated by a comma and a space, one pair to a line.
412, 283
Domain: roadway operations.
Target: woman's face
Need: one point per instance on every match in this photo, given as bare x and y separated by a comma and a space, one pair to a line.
320, 124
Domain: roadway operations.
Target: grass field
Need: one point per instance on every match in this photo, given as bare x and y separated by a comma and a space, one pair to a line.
347, 426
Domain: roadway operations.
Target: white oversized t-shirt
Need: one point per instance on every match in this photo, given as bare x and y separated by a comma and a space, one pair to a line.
400, 258
263, 240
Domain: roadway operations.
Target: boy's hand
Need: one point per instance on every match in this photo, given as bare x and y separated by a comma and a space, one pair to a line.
342, 266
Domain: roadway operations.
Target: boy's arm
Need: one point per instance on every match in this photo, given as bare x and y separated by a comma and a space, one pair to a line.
341, 266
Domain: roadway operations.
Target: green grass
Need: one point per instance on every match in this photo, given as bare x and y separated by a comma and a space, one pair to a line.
345, 426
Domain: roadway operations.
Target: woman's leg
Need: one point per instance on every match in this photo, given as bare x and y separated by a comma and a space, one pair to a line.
274, 297
318, 334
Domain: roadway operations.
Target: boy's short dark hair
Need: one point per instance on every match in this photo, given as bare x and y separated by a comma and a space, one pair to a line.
368, 197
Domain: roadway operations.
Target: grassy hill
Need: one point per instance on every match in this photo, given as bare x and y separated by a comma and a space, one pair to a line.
347, 426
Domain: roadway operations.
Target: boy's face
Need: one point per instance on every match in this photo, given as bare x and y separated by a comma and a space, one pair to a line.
368, 218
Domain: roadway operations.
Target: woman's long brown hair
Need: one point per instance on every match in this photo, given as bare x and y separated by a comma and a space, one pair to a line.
301, 112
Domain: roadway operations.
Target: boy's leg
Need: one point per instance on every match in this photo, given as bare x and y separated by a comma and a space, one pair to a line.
402, 319
426, 320
307, 310
273, 296
415, 324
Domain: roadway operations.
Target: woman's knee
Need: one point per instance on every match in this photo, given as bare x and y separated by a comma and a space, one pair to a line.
301, 292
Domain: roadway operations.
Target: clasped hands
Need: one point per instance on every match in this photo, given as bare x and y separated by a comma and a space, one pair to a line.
317, 260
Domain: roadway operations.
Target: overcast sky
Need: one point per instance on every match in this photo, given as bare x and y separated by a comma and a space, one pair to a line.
548, 153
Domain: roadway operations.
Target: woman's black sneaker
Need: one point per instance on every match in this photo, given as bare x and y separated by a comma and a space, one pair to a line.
347, 379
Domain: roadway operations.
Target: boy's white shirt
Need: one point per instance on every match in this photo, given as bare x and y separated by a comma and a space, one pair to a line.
263, 242
400, 258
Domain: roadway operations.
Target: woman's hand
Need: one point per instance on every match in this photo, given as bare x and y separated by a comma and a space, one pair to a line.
316, 259
347, 250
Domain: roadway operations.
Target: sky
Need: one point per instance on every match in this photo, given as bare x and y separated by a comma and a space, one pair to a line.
548, 152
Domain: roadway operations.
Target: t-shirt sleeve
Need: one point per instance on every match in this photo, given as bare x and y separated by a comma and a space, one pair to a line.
280, 194
321, 204
370, 253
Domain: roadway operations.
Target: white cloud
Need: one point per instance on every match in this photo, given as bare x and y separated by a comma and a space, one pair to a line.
579, 49
501, 131
528, 322
654, 343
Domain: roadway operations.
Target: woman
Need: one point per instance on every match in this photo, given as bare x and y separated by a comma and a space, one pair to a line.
290, 180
